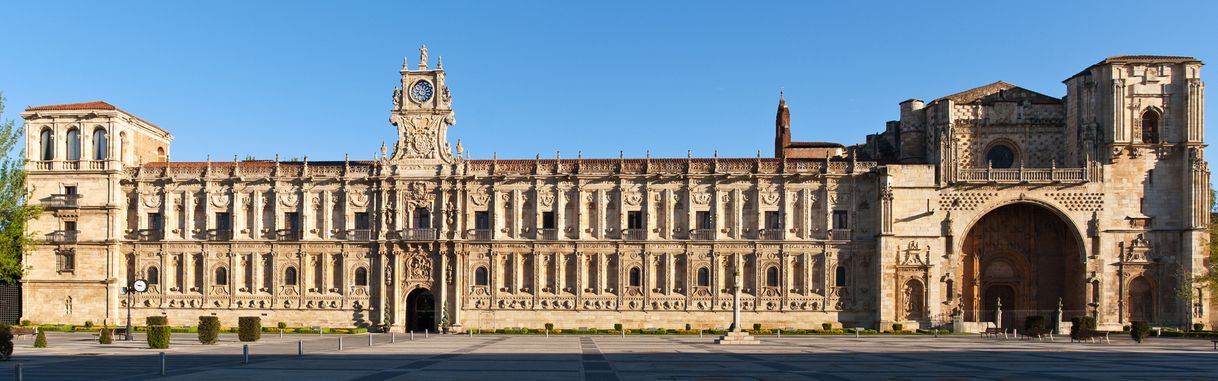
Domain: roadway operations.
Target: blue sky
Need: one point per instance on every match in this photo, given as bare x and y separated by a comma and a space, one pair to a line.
314, 78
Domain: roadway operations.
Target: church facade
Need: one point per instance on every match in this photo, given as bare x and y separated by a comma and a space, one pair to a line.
993, 199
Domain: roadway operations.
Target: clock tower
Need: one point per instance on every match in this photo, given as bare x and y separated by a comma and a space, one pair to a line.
422, 112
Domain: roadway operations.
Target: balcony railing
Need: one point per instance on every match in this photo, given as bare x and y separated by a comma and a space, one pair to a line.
220, 234
634, 234
63, 236
61, 201
839, 234
702, 234
547, 234
417, 234
359, 235
771, 234
479, 234
1022, 175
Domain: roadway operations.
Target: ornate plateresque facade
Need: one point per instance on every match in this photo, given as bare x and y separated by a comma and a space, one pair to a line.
995, 198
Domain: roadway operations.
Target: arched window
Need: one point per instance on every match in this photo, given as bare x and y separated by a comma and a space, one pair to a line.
289, 276
1150, 127
703, 277
47, 143
100, 144
636, 277
154, 275
771, 277
221, 276
160, 154
481, 278
1000, 156
839, 276
74, 144
361, 276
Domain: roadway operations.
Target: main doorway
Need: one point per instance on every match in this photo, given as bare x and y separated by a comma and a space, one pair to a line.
420, 311
1026, 257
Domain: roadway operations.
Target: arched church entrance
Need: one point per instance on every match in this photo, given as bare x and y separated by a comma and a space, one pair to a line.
420, 311
1022, 259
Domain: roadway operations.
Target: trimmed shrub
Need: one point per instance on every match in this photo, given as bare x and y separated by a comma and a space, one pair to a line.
88, 324
617, 326
41, 340
6, 342
826, 326
756, 326
157, 320
209, 329
250, 328
688, 327
1198, 326
1034, 322
158, 336
105, 336
1080, 323
281, 325
897, 327
1139, 331
26, 323
549, 327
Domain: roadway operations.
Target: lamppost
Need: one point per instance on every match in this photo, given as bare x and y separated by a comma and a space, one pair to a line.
138, 285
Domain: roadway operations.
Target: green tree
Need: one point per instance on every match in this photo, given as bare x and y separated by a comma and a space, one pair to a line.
15, 213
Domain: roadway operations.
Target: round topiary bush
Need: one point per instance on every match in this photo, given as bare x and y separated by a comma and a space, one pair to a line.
826, 326
209, 329
282, 325
756, 326
898, 327
1034, 322
105, 336
549, 327
617, 327
1139, 331
88, 324
1198, 326
1079, 324
6, 342
249, 328
158, 336
26, 323
157, 320
41, 340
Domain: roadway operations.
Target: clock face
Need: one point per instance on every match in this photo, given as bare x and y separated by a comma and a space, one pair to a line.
421, 91
140, 285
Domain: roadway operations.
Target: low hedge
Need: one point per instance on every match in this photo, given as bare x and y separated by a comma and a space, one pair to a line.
158, 336
249, 328
208, 329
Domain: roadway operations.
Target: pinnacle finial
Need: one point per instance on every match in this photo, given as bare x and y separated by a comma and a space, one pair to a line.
439, 62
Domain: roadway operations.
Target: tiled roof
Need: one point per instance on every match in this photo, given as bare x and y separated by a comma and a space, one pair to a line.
1010, 92
270, 163
94, 105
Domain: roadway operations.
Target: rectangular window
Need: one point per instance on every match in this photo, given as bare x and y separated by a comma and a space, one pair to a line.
422, 218
291, 221
634, 219
154, 221
223, 221
547, 220
69, 226
69, 190
65, 261
482, 220
703, 220
361, 221
840, 220
773, 220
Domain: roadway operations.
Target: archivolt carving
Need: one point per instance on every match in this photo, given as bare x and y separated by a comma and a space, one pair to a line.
358, 198
479, 197
418, 267
152, 200
288, 199
219, 200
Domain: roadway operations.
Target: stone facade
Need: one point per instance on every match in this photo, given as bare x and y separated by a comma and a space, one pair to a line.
1093, 204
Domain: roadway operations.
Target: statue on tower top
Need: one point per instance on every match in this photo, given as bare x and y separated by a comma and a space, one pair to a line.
423, 57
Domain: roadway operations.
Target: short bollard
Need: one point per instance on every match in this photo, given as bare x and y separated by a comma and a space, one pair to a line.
411, 335
281, 334
426, 333
300, 347
162, 363
936, 334
780, 333
369, 339
393, 337
699, 334
340, 343
547, 334
471, 333
623, 333
856, 332
18, 370
245, 354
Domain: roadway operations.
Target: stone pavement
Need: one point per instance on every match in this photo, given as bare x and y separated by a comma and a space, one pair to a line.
78, 357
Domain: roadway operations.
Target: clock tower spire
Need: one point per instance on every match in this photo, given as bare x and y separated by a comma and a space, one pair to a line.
422, 112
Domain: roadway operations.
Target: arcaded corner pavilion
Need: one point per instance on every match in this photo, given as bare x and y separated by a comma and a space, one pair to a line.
1092, 204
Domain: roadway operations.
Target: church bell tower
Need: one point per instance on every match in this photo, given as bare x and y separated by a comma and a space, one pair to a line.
422, 112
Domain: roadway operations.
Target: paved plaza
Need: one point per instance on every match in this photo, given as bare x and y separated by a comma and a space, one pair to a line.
511, 357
